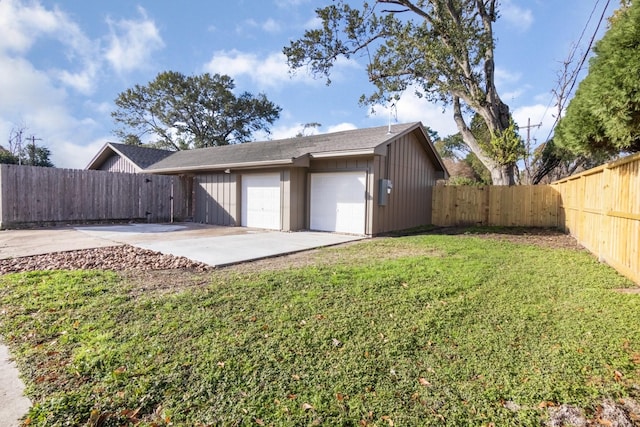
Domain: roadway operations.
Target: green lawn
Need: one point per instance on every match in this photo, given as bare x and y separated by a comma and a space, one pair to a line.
421, 330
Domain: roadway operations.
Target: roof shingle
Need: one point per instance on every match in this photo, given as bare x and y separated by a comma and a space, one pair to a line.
280, 150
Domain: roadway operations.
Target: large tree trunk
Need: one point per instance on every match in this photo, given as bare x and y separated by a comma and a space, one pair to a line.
503, 175
500, 174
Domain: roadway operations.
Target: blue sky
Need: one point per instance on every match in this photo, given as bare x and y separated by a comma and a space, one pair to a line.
64, 62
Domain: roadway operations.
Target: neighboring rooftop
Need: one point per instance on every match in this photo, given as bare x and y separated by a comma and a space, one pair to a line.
142, 157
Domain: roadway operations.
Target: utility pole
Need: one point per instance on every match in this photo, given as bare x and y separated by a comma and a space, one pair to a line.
528, 128
32, 150
527, 164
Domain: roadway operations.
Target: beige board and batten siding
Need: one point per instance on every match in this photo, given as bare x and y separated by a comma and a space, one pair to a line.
216, 199
294, 182
351, 164
413, 175
117, 163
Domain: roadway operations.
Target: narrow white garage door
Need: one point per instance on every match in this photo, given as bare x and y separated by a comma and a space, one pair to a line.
338, 202
261, 201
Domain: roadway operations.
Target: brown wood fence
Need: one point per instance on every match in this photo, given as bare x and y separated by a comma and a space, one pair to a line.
46, 196
519, 206
601, 209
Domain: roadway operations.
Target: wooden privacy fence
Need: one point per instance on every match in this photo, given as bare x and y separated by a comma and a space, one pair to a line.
44, 196
601, 209
519, 206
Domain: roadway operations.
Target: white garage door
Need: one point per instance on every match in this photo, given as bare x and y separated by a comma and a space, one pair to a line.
261, 201
338, 202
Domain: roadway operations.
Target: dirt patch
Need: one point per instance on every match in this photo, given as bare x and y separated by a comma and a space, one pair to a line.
543, 237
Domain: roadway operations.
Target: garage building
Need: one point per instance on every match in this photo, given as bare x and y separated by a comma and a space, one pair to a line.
364, 181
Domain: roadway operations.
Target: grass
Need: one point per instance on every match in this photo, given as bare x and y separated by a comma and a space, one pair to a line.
445, 330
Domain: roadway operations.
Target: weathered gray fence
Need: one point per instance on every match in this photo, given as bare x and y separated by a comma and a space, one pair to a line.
45, 196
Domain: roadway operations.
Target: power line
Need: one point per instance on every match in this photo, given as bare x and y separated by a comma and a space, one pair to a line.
572, 52
574, 76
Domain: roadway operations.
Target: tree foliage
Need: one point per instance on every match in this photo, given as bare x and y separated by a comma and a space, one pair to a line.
182, 112
35, 155
454, 148
441, 49
25, 153
604, 116
7, 157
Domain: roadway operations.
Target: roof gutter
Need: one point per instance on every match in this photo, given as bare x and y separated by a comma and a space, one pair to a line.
244, 165
346, 153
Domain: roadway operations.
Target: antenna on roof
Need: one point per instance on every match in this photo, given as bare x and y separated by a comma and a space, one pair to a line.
392, 109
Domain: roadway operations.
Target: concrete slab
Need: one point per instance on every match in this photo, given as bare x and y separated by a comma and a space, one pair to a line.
13, 403
215, 246
234, 249
19, 243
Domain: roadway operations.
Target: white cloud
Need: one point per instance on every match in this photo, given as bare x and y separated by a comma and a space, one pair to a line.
271, 26
411, 108
313, 23
37, 98
290, 3
516, 17
539, 114
271, 70
132, 43
341, 127
290, 131
23, 24
505, 77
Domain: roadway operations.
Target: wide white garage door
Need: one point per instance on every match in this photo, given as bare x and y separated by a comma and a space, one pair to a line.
338, 202
261, 201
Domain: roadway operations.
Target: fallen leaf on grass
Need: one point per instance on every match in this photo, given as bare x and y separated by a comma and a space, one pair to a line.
388, 420
120, 370
617, 375
259, 422
306, 406
424, 382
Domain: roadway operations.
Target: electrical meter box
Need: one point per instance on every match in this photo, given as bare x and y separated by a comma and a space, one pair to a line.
384, 191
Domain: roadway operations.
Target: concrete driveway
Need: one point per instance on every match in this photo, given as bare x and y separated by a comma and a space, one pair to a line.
212, 245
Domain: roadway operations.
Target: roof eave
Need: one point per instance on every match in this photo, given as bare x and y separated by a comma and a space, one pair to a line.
343, 153
243, 165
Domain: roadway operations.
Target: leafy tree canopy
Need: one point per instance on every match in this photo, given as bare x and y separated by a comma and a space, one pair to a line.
183, 112
441, 49
7, 157
23, 152
604, 115
35, 155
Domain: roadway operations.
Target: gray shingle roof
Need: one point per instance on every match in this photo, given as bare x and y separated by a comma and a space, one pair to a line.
281, 151
143, 157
